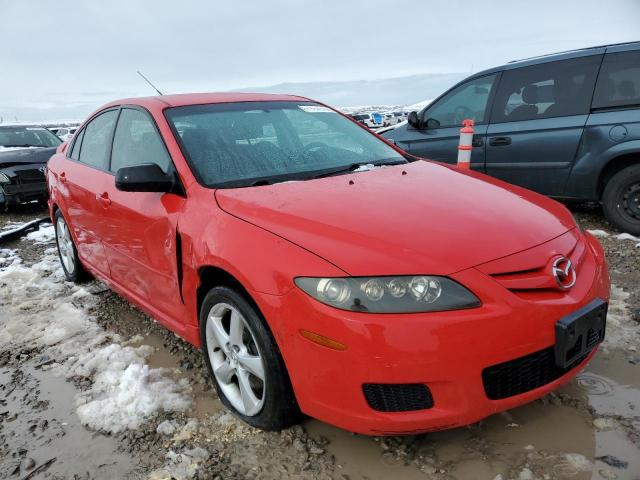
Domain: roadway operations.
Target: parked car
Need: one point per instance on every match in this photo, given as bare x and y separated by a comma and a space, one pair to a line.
371, 120
566, 125
24, 152
262, 229
65, 133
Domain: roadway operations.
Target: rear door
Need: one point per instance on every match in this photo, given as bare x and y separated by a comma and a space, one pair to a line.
83, 177
140, 234
439, 136
537, 121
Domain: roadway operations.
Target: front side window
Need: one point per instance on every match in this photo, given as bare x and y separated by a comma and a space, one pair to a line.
75, 150
468, 100
249, 143
554, 89
27, 137
619, 81
96, 142
137, 142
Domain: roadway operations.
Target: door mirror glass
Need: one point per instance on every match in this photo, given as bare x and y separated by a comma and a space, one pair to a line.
431, 123
413, 119
143, 178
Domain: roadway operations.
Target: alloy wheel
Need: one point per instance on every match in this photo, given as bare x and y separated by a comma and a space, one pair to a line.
65, 246
235, 359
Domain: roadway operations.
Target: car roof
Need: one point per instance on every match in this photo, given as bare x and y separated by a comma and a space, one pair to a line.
568, 54
179, 100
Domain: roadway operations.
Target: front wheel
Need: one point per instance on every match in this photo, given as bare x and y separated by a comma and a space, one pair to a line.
244, 361
621, 200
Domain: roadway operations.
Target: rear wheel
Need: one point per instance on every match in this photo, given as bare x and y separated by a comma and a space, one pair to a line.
73, 269
621, 200
244, 361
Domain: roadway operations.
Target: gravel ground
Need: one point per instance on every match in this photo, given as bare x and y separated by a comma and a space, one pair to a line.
588, 429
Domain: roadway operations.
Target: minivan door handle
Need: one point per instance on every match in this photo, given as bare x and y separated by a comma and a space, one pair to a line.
500, 141
477, 142
104, 199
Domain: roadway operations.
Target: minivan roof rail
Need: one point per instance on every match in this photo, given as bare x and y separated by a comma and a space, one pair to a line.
573, 50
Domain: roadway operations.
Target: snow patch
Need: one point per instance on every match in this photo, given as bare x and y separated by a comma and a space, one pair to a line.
620, 236
38, 307
622, 331
598, 233
45, 234
180, 466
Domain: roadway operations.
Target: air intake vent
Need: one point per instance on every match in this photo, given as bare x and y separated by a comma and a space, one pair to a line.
397, 397
523, 374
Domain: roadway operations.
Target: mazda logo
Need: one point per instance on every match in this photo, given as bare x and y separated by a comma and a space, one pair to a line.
564, 273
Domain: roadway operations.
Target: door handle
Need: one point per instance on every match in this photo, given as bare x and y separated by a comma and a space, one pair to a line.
62, 177
104, 199
500, 141
477, 142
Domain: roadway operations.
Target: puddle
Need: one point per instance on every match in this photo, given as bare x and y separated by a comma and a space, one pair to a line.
38, 421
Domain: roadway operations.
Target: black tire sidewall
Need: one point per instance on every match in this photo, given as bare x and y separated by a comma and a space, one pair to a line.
280, 408
612, 195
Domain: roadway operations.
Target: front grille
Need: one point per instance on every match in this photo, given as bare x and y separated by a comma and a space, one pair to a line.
397, 397
523, 374
30, 176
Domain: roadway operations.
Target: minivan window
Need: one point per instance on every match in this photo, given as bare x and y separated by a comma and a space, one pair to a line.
240, 144
136, 142
97, 140
619, 81
75, 151
468, 100
554, 89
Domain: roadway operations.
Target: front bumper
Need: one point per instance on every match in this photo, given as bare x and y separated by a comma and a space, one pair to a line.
447, 351
11, 193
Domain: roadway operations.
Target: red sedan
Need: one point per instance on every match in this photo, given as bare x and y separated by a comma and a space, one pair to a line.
323, 271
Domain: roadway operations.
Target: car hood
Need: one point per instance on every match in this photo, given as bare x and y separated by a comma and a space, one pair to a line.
421, 217
24, 155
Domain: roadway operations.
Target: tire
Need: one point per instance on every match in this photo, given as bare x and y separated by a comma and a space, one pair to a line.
621, 200
67, 252
270, 403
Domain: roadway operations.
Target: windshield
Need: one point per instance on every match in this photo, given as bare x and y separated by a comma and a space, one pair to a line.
27, 137
251, 143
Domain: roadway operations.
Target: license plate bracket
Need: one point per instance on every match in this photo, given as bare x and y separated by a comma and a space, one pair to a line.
579, 332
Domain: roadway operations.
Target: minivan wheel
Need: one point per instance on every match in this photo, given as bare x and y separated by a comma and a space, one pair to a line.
621, 200
244, 361
73, 269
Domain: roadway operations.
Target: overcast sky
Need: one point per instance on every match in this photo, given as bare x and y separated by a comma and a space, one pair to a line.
64, 58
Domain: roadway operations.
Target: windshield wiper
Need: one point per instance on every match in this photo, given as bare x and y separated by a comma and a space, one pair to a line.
355, 166
24, 145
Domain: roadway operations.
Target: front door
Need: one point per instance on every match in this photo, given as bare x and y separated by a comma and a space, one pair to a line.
537, 121
140, 237
439, 134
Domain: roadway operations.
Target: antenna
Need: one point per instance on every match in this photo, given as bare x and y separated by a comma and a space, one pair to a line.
152, 85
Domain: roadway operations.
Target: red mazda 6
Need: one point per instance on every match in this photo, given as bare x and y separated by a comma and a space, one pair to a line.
323, 271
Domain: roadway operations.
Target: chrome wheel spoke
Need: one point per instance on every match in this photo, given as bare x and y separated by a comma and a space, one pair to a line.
252, 364
236, 327
249, 399
224, 372
220, 337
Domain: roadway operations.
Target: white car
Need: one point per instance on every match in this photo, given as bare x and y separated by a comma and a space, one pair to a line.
371, 120
65, 133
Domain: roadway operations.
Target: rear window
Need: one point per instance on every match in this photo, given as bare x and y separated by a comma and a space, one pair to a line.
619, 81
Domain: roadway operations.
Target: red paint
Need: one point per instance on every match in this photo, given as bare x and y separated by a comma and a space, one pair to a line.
419, 218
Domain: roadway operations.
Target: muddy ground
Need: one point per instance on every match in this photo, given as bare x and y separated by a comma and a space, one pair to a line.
589, 428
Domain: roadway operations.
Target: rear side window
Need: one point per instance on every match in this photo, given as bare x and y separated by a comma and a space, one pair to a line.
619, 81
96, 141
75, 151
554, 89
137, 142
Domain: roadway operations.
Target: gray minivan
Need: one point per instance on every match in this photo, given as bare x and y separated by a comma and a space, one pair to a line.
566, 125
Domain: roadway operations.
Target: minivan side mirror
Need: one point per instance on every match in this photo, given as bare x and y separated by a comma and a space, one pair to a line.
147, 177
413, 119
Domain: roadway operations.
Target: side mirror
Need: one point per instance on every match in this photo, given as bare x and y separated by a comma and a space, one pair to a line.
148, 177
413, 119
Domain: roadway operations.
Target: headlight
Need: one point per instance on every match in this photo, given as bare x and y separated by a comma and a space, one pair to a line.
4, 178
406, 294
